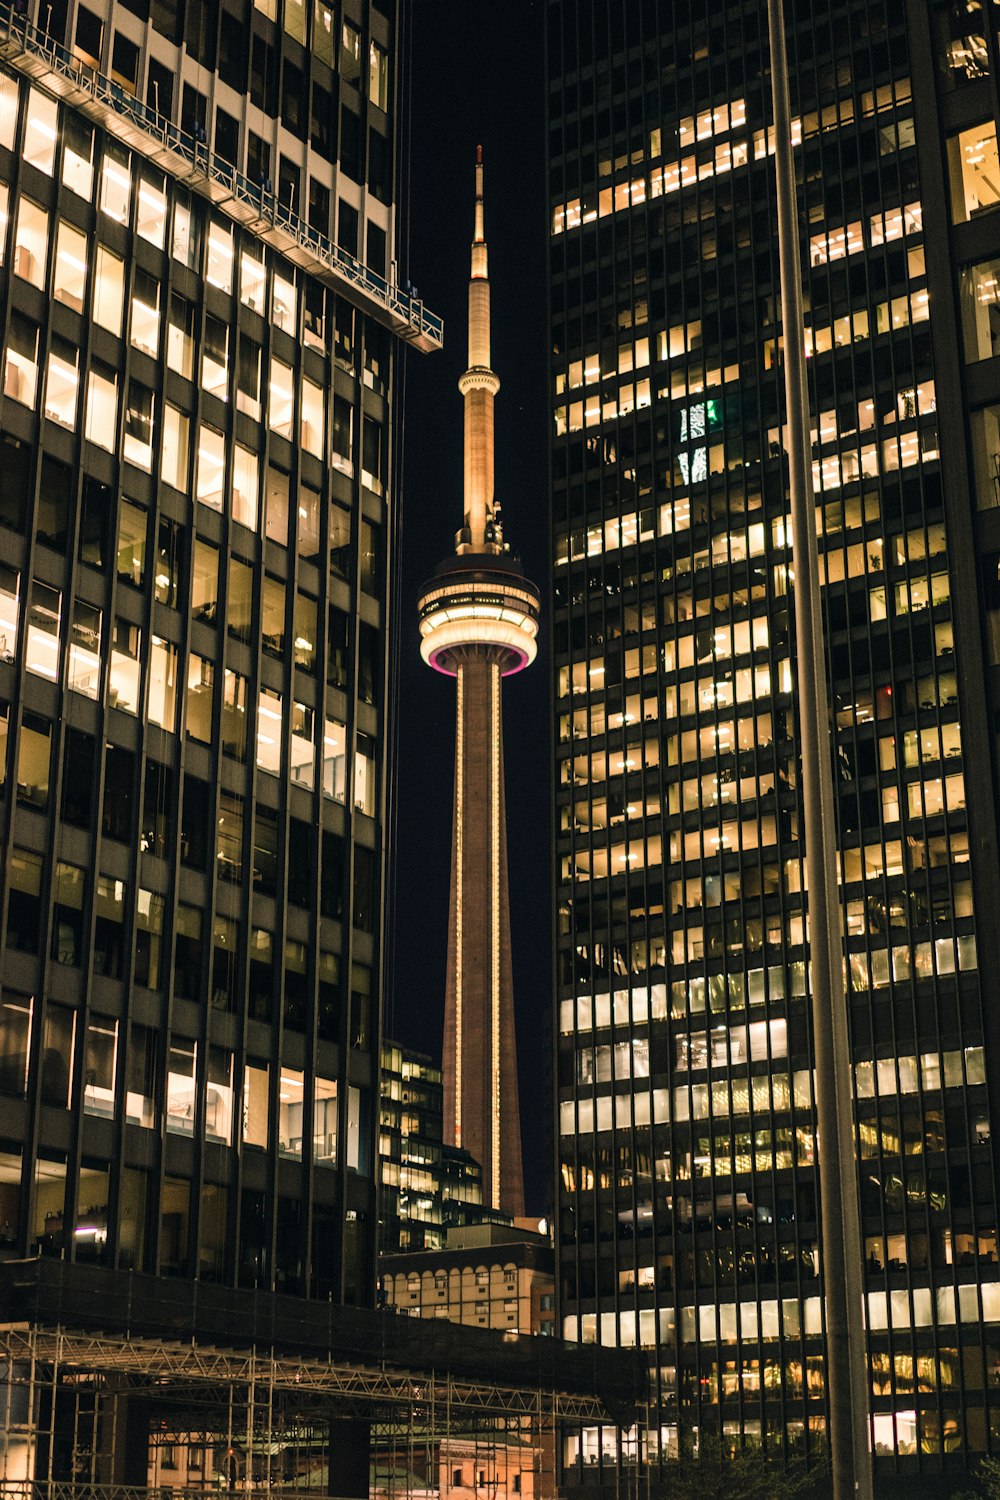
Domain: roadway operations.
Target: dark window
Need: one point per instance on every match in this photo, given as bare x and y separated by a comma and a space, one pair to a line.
89, 36
166, 16
347, 227
363, 907
261, 974
95, 517
160, 89
319, 207
55, 493
265, 852
188, 938
232, 53
258, 161
331, 895
337, 663
125, 61
288, 184
301, 878
24, 901
263, 77
350, 144
201, 30
78, 779
194, 113
16, 460
227, 138
321, 121
119, 793
378, 165
376, 249
368, 664
196, 823
293, 100
156, 833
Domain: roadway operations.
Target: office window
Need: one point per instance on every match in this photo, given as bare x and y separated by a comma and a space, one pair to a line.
62, 383
256, 1104
325, 1121
205, 581
303, 751
269, 732
83, 673
364, 775
169, 550
974, 165
34, 759
9, 590
20, 374
313, 426
239, 600
138, 444
109, 926
219, 258
15, 1044
78, 156
131, 555
234, 715
24, 900
378, 76
9, 93
151, 212
246, 487
210, 467
253, 281
41, 130
198, 709
31, 240
276, 506
100, 1066
219, 1096
162, 704
215, 358
174, 454
283, 303
100, 423
109, 290
42, 654
291, 1098
335, 760
116, 184
180, 336
123, 682
69, 274
140, 1077
149, 909
182, 1074
304, 633
281, 396
145, 312
56, 1062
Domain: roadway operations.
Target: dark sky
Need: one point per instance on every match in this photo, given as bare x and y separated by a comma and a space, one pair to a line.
476, 78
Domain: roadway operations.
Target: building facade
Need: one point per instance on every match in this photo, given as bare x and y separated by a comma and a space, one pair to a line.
485, 1276
200, 334
687, 1193
478, 624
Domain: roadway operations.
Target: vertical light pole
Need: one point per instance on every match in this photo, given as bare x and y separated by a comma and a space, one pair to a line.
846, 1358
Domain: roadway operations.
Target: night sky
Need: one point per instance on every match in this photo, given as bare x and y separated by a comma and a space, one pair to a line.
476, 78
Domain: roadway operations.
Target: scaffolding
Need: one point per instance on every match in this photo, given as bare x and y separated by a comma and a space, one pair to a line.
116, 1413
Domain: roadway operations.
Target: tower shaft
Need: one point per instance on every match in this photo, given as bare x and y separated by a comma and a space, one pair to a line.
480, 1061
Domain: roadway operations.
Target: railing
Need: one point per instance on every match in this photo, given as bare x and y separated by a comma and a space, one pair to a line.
82, 1489
403, 307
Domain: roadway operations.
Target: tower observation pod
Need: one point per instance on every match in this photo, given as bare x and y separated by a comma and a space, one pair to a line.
479, 624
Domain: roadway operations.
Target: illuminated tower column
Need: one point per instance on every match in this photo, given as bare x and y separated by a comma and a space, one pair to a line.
478, 624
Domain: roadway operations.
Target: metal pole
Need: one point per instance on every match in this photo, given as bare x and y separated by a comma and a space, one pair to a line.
846, 1358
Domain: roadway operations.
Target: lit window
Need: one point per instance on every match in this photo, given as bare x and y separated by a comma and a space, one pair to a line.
131, 554
62, 383
325, 1121
308, 522
210, 482
256, 1099
322, 32
101, 418
9, 589
34, 760
138, 445
378, 76
198, 709
123, 682
248, 377
116, 185
174, 452
42, 654
151, 213
252, 282
31, 239
215, 358
280, 398
20, 372
335, 760
184, 243
205, 582
295, 19
109, 291
219, 267
180, 337
234, 715
313, 432
84, 673
100, 1060
303, 756
975, 171
69, 277
8, 111
162, 706
78, 156
246, 486
41, 128
218, 1110
4, 219
181, 1087
283, 303
269, 732
146, 313
304, 633
291, 1103
364, 776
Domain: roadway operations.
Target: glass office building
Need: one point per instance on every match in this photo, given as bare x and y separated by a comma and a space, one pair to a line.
197, 451
687, 1192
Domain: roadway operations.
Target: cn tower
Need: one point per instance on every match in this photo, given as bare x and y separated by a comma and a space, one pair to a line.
478, 624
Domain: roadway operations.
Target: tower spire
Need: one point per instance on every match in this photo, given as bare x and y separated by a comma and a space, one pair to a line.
479, 386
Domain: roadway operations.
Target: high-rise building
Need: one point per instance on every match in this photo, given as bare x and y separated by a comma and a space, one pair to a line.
425, 1187
478, 623
200, 332
687, 1194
